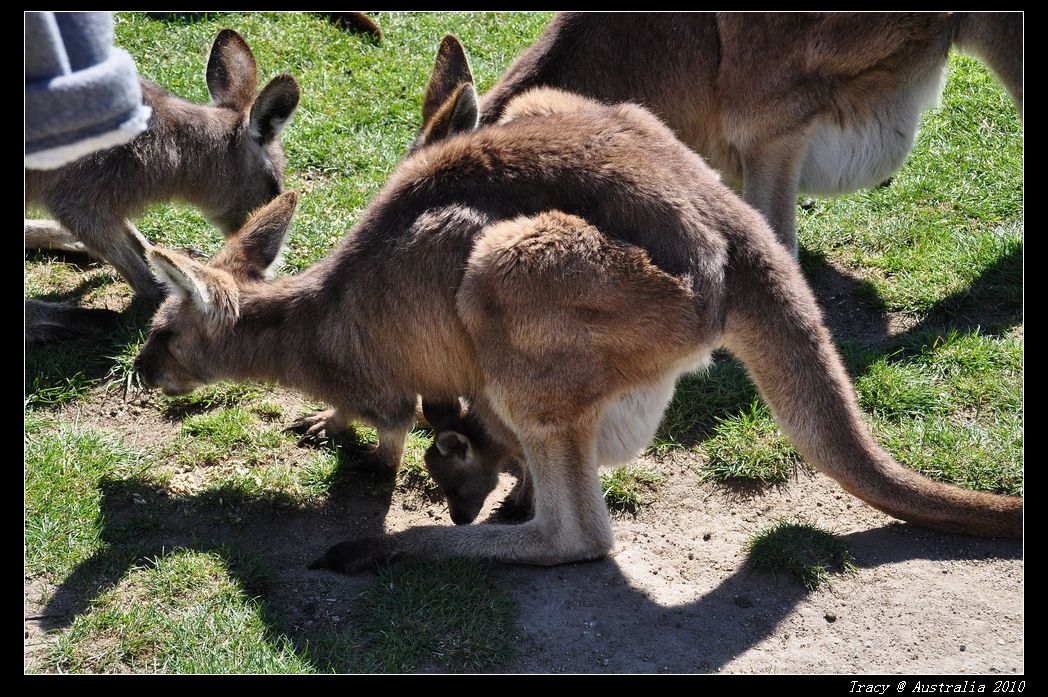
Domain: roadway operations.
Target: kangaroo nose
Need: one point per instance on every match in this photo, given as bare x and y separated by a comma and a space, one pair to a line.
143, 372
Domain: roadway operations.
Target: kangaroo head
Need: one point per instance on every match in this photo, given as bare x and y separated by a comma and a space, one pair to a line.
450, 105
459, 470
457, 460
190, 340
254, 161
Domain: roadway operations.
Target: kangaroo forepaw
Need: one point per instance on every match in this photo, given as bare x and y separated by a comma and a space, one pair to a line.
317, 428
357, 555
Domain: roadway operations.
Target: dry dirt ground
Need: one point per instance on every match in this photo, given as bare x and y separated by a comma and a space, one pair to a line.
675, 596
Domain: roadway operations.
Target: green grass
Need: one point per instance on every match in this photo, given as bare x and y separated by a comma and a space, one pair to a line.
750, 446
939, 252
628, 488
180, 613
223, 394
801, 550
449, 613
64, 466
198, 612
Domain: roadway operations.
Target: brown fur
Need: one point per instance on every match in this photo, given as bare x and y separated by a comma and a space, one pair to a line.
562, 270
226, 159
754, 93
355, 21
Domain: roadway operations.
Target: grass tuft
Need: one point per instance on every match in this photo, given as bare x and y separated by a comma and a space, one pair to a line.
749, 446
799, 549
628, 488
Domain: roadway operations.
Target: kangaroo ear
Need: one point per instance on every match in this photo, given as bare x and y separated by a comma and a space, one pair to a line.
459, 113
213, 294
274, 108
232, 75
451, 103
452, 443
250, 253
450, 70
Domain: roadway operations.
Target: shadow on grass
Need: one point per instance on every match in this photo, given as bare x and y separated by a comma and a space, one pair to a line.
51, 368
77, 294
253, 534
992, 303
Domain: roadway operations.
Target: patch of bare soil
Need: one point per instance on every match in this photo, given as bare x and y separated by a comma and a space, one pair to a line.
676, 595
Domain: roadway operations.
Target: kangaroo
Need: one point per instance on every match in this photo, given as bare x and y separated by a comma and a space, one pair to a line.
563, 268
779, 103
465, 460
225, 158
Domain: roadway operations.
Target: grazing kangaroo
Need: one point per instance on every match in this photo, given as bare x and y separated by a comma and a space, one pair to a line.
225, 158
564, 267
780, 103
465, 460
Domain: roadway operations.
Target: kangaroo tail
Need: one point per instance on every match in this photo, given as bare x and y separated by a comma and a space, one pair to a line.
774, 326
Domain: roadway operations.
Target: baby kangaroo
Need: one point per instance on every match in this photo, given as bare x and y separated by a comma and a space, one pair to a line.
225, 158
465, 461
563, 268
778, 103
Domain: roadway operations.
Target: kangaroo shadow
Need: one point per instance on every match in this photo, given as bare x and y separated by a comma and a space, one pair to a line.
259, 537
90, 356
610, 625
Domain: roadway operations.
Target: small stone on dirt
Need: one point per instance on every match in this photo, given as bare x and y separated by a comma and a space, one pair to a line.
743, 601
830, 617
706, 537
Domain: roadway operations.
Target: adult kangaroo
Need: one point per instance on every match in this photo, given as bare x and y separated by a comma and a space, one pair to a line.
564, 267
778, 103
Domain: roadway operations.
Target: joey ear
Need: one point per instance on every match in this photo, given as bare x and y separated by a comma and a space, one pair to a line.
252, 252
452, 443
451, 104
214, 296
232, 75
274, 107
